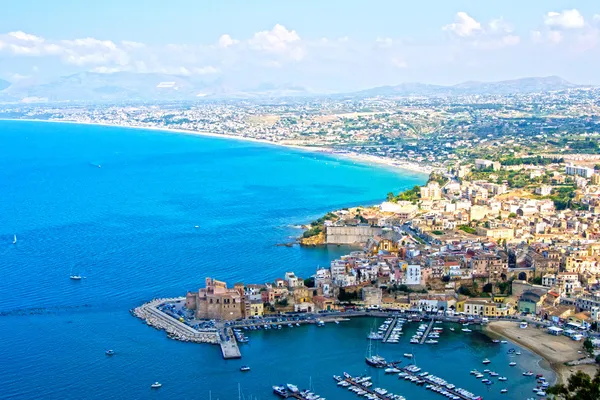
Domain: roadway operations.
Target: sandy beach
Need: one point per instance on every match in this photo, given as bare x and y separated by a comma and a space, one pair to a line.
361, 158
557, 350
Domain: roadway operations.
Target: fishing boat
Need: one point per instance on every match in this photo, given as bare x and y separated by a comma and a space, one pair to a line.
74, 277
156, 385
109, 352
244, 368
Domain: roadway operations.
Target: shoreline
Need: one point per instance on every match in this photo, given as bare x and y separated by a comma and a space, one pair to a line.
364, 159
555, 350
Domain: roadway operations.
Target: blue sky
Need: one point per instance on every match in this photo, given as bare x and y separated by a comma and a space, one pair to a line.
324, 45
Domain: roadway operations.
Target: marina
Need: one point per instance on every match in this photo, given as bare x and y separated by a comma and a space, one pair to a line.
438, 385
362, 387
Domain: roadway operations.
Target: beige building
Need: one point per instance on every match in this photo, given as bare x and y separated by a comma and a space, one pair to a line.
216, 301
431, 192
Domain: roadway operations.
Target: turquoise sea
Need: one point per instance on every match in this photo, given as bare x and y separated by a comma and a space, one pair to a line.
119, 207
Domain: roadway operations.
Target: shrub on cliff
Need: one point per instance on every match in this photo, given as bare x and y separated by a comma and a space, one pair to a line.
580, 386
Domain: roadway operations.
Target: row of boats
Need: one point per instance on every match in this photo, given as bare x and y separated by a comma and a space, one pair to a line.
413, 374
432, 337
362, 387
291, 390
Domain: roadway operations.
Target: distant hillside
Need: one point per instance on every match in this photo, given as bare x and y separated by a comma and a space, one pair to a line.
128, 86
523, 85
4, 84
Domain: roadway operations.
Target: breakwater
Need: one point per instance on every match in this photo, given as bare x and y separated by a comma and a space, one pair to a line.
154, 317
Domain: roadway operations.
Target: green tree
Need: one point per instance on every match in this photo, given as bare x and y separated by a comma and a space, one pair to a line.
391, 197
587, 344
309, 282
488, 287
580, 386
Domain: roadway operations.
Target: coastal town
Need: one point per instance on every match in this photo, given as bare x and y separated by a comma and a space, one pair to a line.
466, 247
503, 237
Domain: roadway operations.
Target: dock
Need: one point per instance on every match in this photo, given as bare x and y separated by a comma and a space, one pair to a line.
228, 343
390, 329
433, 383
352, 382
424, 337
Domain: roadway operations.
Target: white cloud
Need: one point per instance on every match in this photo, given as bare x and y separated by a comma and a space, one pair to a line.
276, 40
132, 45
384, 42
25, 37
555, 37
205, 70
567, 19
499, 25
495, 34
536, 36
464, 25
226, 41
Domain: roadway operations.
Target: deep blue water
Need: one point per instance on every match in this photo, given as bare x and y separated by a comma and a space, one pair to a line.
129, 229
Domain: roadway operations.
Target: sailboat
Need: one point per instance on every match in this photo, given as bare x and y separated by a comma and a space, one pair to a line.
73, 277
374, 360
15, 240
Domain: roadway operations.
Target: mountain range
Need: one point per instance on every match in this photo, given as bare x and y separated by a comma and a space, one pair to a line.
523, 85
127, 86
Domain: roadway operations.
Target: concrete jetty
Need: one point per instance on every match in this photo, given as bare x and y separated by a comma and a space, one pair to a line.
229, 346
424, 337
390, 329
175, 329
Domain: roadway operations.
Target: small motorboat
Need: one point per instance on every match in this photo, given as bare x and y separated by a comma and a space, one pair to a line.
486, 361
244, 368
528, 373
503, 379
408, 355
156, 385
518, 353
109, 352
512, 363
504, 391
